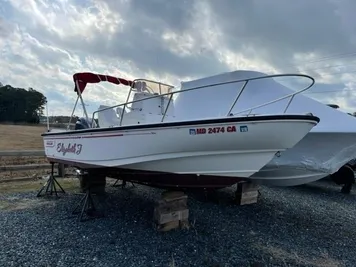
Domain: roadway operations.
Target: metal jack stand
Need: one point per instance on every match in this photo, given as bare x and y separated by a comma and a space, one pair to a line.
88, 206
50, 185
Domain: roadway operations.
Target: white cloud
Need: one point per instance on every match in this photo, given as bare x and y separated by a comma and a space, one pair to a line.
43, 43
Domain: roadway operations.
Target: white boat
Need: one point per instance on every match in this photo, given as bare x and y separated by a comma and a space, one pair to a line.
323, 151
149, 137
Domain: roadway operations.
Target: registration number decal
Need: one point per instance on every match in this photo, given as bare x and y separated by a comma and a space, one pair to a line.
217, 130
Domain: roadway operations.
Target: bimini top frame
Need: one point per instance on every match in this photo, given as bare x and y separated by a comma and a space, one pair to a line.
161, 89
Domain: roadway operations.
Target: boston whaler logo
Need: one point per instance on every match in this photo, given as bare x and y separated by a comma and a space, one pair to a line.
74, 149
50, 143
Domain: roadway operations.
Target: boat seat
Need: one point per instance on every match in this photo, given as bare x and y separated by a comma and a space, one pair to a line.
140, 86
107, 118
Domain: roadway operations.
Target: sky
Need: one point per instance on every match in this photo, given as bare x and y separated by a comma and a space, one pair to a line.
44, 42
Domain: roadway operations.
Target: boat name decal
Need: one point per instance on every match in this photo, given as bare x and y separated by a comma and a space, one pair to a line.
74, 149
217, 130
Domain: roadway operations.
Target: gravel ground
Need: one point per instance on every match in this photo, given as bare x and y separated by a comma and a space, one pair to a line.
310, 225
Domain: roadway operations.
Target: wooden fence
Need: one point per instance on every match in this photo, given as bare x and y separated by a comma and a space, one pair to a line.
26, 167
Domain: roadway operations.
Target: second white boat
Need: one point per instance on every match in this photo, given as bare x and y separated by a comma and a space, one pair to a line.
323, 151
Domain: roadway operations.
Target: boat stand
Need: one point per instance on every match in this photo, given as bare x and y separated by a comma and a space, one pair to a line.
88, 206
246, 193
50, 185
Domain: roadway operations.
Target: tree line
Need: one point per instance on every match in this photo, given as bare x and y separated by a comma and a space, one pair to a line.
19, 105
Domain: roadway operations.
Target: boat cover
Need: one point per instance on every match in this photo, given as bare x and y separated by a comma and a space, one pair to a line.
216, 101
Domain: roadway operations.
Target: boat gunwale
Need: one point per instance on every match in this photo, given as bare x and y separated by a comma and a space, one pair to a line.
149, 126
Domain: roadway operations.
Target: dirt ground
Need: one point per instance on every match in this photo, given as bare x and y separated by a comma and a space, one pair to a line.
18, 137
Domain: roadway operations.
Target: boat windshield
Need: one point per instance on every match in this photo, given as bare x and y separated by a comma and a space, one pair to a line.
152, 87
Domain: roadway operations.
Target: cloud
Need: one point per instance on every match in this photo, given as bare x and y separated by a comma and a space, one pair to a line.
44, 42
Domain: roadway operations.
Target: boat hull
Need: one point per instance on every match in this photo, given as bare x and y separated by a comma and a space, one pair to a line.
227, 147
165, 180
315, 157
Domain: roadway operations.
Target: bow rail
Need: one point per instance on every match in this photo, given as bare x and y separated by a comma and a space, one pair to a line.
244, 81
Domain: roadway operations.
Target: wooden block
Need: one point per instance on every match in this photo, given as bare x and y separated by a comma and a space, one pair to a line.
163, 207
246, 187
246, 193
171, 211
184, 224
173, 205
162, 218
245, 201
168, 226
169, 196
160, 213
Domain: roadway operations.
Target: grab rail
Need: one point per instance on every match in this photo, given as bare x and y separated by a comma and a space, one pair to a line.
271, 102
217, 84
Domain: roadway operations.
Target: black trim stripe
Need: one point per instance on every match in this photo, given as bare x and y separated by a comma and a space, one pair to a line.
188, 123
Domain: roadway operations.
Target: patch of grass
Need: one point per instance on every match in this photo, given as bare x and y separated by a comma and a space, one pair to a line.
68, 184
4, 205
21, 204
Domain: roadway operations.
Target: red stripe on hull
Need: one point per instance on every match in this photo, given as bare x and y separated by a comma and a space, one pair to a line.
97, 136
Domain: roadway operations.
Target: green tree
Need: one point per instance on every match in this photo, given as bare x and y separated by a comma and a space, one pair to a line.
20, 105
